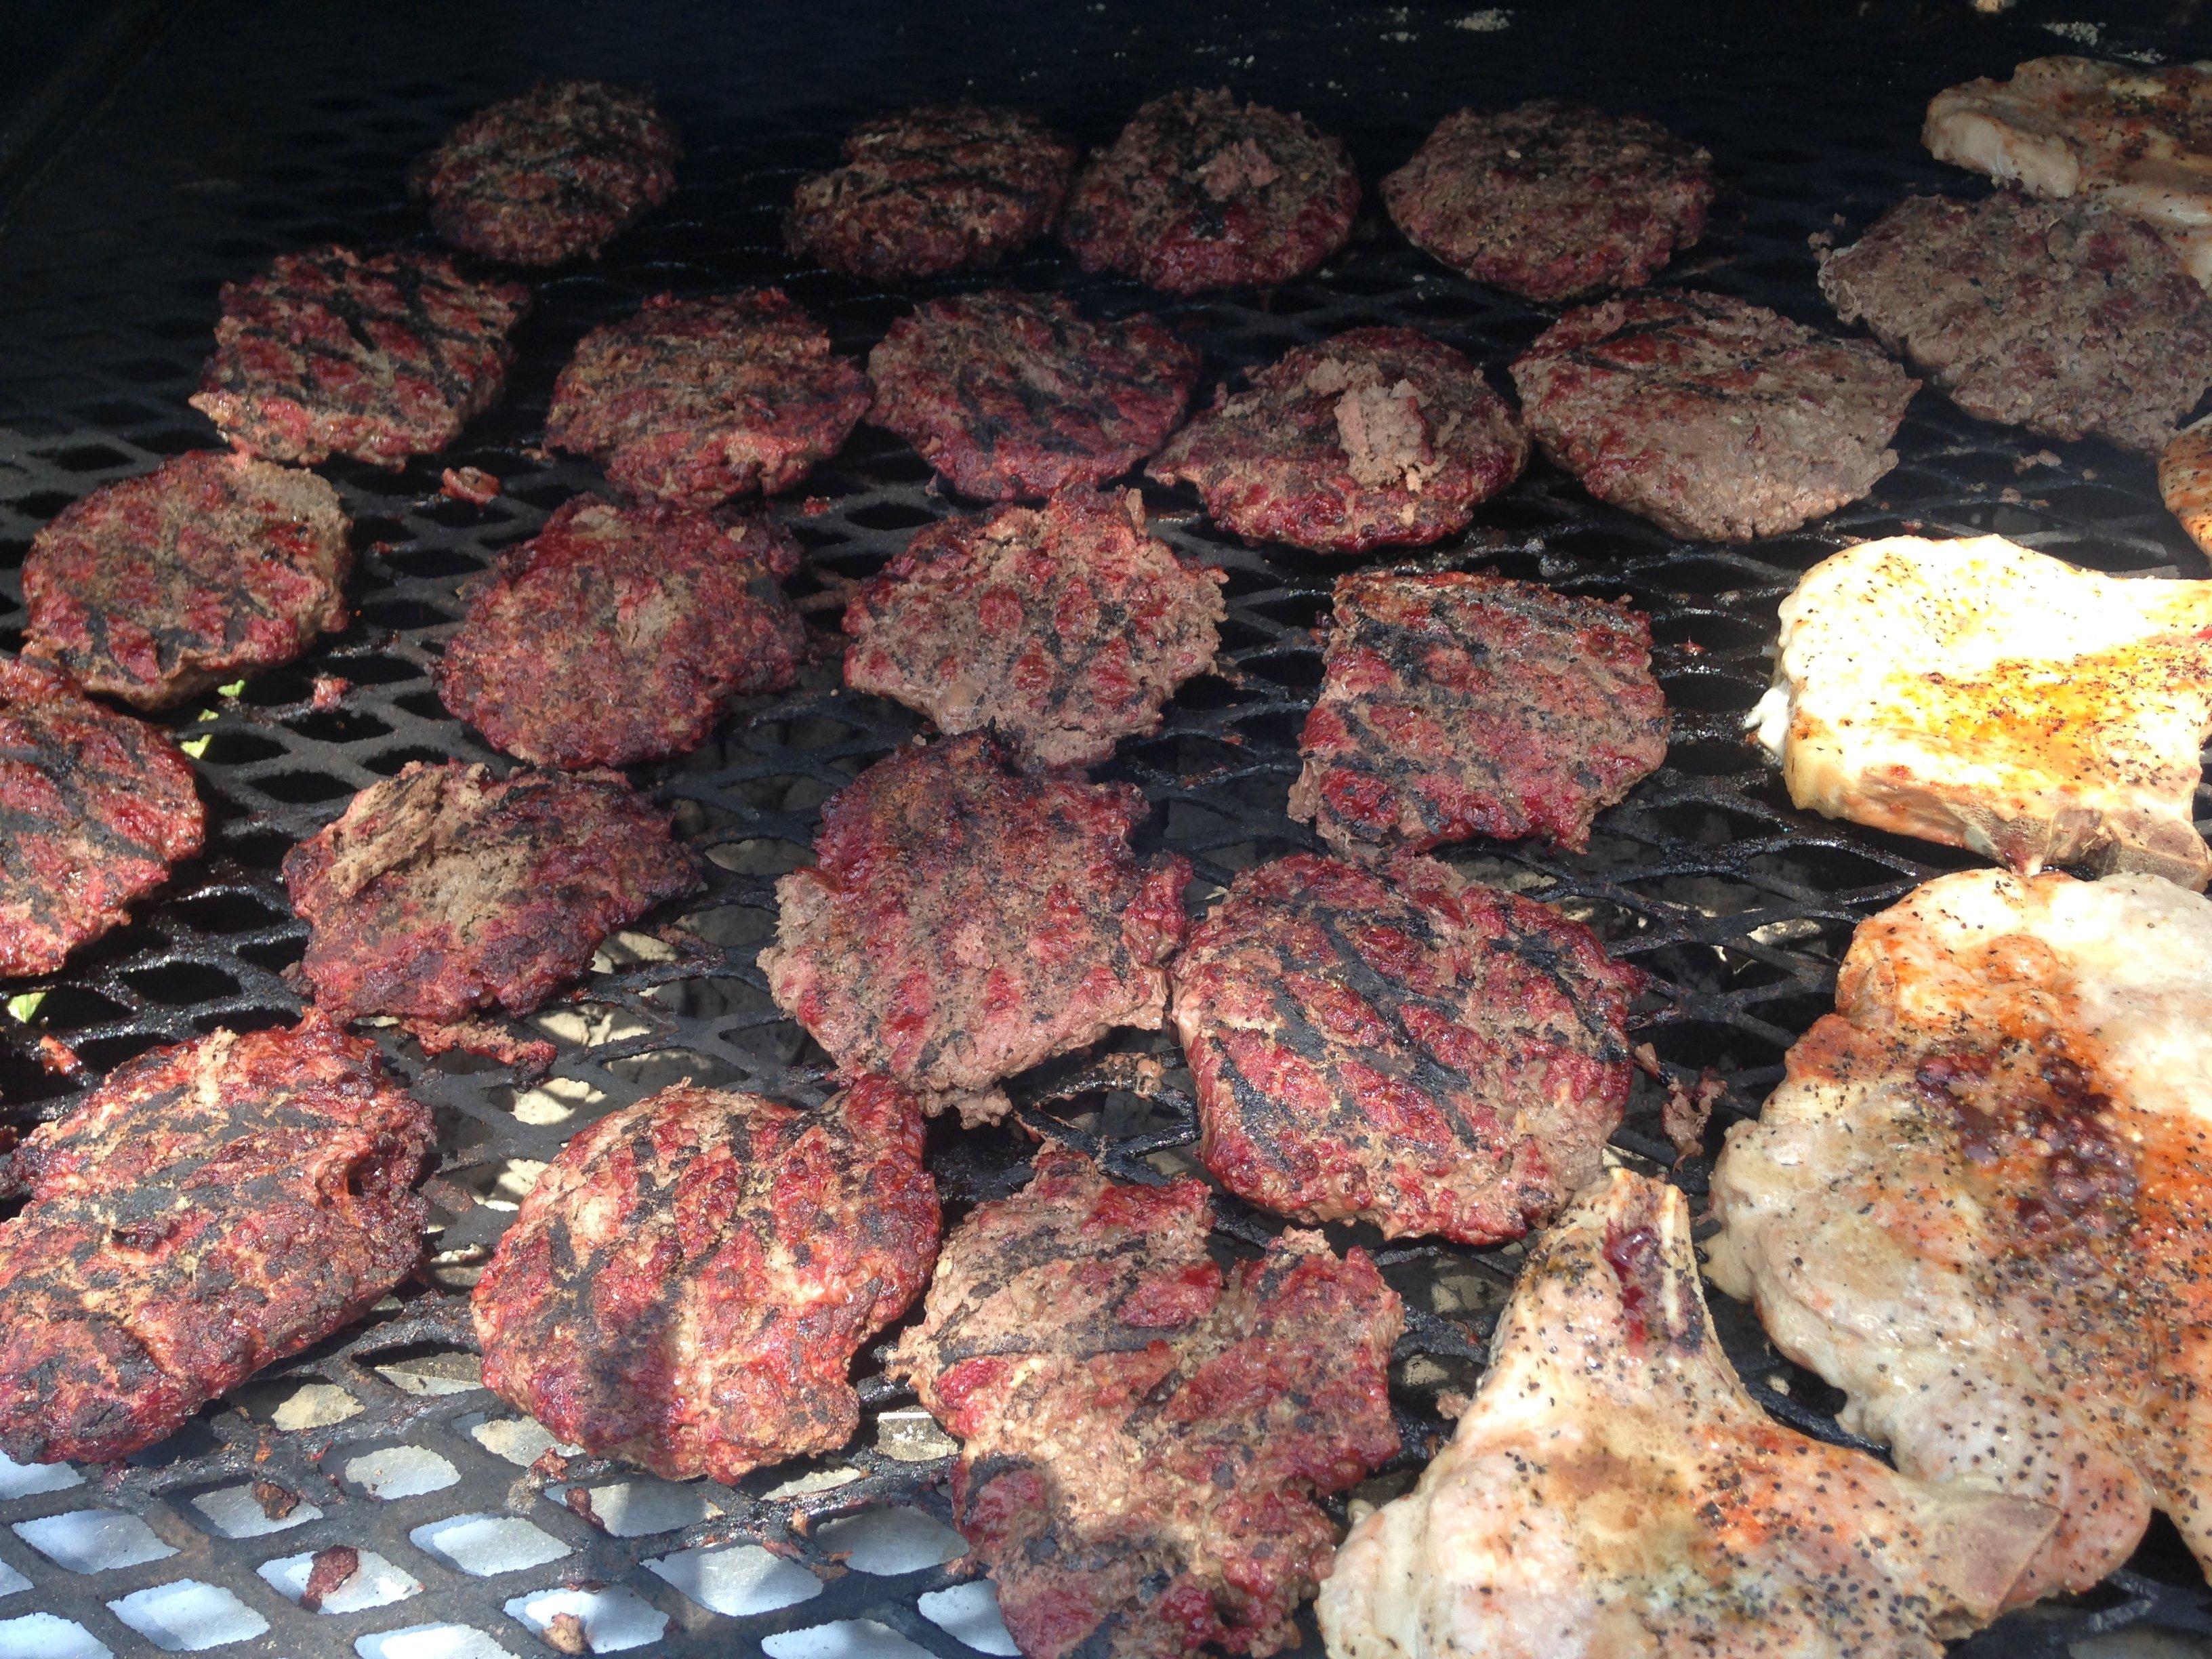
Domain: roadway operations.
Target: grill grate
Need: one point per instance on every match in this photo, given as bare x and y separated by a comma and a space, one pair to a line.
249, 129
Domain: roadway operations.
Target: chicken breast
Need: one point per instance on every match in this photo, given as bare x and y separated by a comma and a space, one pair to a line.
1614, 1491
1976, 693
2139, 138
1979, 1201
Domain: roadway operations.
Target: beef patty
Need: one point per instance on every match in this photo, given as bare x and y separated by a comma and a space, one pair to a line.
1379, 437
618, 633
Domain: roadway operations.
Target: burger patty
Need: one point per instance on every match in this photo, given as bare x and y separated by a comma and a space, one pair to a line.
557, 172
618, 633
210, 1209
95, 808
212, 566
1552, 200
1061, 628
1198, 192
689, 1281
931, 190
328, 353
1401, 1047
1378, 437
1710, 416
1013, 396
963, 922
1455, 704
1142, 1436
2065, 318
443, 890
698, 400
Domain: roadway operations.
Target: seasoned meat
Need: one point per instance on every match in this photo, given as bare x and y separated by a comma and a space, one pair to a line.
444, 891
930, 190
699, 400
210, 567
2066, 317
619, 632
1404, 1047
1455, 704
211, 1208
1198, 192
557, 172
1978, 1203
1142, 1437
94, 807
1062, 627
327, 353
1553, 201
2184, 480
963, 922
1012, 395
689, 1281
1380, 437
1976, 693
1613, 1490
1710, 416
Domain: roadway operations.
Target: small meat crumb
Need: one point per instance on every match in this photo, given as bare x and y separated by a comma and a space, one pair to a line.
814, 507
276, 1501
57, 1057
564, 1633
329, 691
328, 1573
1688, 1109
471, 484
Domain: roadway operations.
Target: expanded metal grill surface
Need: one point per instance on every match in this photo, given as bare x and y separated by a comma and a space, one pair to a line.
244, 131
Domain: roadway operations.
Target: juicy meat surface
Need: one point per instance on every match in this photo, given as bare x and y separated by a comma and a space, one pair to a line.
444, 891
2184, 480
698, 400
211, 1208
1978, 694
618, 633
1710, 416
1012, 395
1200, 192
1405, 1048
1143, 1436
94, 807
1613, 1490
687, 1284
1063, 629
551, 174
327, 353
937, 188
2136, 139
1380, 437
2066, 317
210, 567
1978, 1202
1552, 200
963, 922
1455, 704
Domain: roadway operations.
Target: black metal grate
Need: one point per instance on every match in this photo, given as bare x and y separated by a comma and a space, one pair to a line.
250, 129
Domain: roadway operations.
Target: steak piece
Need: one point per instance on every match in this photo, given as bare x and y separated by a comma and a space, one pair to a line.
698, 400
618, 632
963, 922
1454, 704
94, 807
1013, 396
1142, 1437
211, 1209
554, 173
1709, 417
212, 567
930, 190
689, 1281
444, 891
1403, 1047
2069, 319
1379, 437
1553, 201
328, 353
1198, 192
1061, 628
